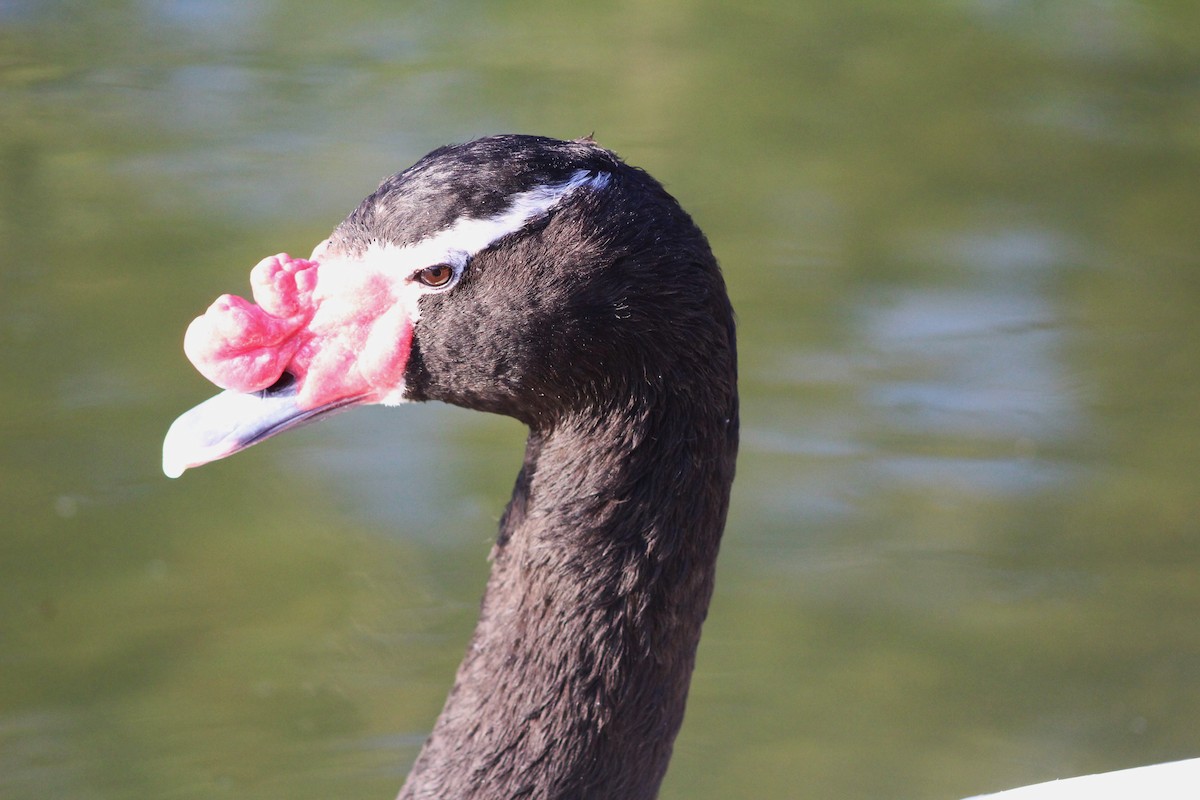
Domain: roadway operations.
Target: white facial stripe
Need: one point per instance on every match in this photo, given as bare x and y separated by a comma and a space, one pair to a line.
466, 237
386, 270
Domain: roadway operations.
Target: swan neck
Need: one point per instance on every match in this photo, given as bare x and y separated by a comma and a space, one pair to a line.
576, 679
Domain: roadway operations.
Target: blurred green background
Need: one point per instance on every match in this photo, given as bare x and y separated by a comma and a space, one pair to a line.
963, 240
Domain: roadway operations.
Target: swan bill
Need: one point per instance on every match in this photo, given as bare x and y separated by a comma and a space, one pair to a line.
232, 421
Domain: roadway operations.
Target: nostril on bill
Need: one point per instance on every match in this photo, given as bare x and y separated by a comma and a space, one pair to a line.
285, 382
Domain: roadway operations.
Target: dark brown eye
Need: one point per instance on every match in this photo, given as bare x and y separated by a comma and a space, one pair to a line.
436, 276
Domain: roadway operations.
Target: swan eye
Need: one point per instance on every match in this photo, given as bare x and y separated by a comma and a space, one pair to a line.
436, 276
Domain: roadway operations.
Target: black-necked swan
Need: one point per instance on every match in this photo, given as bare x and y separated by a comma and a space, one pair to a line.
549, 281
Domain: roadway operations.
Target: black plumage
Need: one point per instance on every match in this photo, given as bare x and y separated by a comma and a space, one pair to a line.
551, 282
605, 327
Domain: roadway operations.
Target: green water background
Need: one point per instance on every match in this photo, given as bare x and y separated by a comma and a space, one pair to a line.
963, 240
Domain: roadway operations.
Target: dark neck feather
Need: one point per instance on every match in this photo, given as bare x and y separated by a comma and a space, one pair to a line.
575, 681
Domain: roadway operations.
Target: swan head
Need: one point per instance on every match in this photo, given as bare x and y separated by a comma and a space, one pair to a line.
513, 274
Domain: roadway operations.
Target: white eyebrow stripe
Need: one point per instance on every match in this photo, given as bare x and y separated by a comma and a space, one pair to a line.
387, 268
468, 236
